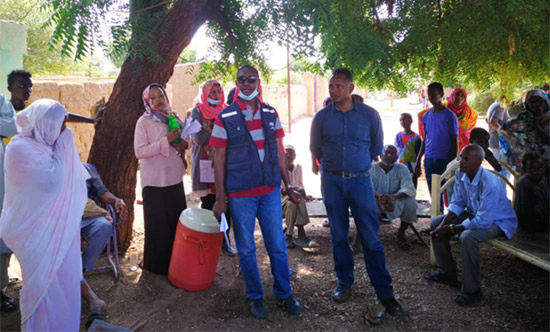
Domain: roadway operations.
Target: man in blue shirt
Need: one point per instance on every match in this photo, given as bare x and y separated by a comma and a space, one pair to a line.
345, 137
479, 211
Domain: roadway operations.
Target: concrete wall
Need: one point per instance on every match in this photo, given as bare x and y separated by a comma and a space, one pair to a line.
306, 97
13, 44
78, 98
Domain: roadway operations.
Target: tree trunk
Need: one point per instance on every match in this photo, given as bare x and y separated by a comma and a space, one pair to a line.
112, 148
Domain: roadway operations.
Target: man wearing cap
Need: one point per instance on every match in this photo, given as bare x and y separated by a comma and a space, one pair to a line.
249, 162
345, 137
295, 213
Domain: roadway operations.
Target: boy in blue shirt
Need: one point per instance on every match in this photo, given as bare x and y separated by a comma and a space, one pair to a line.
440, 142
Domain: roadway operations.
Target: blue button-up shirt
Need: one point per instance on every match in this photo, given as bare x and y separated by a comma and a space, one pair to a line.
485, 198
346, 141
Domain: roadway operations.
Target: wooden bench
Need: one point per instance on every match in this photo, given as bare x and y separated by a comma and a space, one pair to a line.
533, 249
316, 209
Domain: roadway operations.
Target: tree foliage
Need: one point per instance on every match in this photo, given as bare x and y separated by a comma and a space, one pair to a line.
386, 43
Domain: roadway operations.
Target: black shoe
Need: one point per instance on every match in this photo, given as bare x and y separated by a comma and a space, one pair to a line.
464, 299
393, 307
291, 306
290, 244
7, 303
341, 293
439, 276
257, 308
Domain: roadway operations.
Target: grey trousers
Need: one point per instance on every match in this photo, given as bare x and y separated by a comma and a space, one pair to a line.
469, 251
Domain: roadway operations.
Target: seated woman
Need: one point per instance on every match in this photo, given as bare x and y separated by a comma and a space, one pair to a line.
44, 200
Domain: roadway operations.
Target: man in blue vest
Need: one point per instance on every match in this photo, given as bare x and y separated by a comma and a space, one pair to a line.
249, 163
345, 137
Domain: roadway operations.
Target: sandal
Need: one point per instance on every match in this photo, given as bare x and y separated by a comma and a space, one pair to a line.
404, 244
7, 303
95, 313
306, 242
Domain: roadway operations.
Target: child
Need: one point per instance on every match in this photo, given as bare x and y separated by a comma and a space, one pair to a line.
438, 127
408, 144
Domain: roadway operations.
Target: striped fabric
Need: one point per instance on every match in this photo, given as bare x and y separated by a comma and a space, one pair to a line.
254, 124
218, 139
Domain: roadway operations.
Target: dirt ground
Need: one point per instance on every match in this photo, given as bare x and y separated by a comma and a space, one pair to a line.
515, 293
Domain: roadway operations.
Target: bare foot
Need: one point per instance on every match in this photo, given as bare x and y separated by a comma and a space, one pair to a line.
93, 300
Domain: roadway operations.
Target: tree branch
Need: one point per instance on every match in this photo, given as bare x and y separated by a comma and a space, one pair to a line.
215, 14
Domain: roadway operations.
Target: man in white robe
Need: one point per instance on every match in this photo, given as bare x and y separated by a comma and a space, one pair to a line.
394, 192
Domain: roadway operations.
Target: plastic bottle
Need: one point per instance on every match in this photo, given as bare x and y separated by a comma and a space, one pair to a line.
173, 124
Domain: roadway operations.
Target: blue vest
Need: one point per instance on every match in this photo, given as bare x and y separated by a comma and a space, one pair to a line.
243, 169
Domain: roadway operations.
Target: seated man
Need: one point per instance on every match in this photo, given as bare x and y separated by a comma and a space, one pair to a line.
96, 231
295, 213
394, 192
480, 137
532, 194
479, 211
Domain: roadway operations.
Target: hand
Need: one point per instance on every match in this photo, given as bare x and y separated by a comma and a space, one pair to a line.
308, 198
120, 207
181, 146
99, 115
315, 169
219, 207
418, 169
294, 196
172, 135
442, 233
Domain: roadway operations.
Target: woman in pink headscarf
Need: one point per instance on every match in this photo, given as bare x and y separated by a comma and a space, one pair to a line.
45, 198
467, 116
210, 102
161, 168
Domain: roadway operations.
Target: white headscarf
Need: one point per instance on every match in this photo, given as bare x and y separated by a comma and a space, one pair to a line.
32, 122
44, 198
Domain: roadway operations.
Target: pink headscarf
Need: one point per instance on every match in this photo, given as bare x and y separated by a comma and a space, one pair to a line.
209, 112
158, 116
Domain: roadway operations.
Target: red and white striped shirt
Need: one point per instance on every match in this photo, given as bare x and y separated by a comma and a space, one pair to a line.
218, 139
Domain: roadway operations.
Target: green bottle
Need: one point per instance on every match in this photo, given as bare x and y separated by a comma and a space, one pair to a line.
173, 124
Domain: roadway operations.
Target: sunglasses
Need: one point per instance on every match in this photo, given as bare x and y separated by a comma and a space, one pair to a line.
250, 79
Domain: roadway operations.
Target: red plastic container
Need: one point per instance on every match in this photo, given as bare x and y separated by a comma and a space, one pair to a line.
195, 254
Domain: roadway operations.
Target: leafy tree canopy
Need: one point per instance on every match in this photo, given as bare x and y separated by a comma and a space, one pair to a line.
387, 43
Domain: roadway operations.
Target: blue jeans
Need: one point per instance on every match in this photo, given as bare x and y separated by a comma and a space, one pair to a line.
97, 230
267, 209
339, 194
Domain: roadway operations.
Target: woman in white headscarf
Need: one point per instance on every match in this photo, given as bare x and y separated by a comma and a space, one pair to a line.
44, 201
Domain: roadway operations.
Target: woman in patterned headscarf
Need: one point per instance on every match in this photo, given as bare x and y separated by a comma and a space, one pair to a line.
162, 170
467, 116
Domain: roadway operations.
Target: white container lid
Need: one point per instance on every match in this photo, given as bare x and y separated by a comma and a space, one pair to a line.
200, 220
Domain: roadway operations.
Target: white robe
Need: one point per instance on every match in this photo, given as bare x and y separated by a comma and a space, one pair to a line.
45, 198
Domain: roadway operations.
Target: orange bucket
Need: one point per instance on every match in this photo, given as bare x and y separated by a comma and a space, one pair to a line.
196, 250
